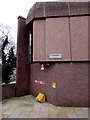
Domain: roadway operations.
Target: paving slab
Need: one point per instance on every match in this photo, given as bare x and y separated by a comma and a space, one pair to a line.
5, 115
61, 113
79, 111
34, 115
28, 107
24, 114
52, 114
15, 114
71, 116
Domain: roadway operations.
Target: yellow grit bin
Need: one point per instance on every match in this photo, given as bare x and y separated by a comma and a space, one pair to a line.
40, 98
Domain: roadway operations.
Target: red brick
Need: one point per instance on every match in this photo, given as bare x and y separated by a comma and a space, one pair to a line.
22, 78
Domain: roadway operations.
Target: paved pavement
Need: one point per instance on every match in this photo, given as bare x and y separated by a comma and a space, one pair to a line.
28, 107
0, 110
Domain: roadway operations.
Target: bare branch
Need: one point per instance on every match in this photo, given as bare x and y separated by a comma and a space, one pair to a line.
5, 30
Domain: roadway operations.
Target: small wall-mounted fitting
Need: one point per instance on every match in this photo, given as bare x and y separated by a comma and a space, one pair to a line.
47, 64
42, 66
54, 84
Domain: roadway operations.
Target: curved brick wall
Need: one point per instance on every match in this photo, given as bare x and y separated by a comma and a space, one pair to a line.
71, 79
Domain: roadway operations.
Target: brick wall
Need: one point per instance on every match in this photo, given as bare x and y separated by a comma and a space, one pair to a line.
22, 75
71, 79
8, 91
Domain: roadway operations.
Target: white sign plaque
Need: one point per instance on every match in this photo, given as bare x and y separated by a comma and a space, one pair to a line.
55, 56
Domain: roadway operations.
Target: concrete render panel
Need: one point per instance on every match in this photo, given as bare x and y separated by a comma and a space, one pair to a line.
45, 34
79, 8
52, 9
39, 40
52, 38
44, 9
65, 36
79, 38
57, 38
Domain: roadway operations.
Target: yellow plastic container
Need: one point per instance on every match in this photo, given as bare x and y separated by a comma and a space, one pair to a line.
40, 98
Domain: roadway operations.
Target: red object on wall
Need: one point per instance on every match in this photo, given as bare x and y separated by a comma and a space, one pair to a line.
39, 82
